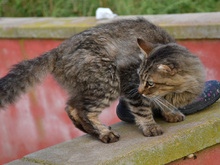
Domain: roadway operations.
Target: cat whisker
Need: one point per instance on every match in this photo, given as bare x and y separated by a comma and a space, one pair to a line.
167, 102
163, 105
159, 104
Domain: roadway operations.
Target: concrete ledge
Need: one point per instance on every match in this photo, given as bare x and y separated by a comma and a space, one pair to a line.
181, 26
197, 132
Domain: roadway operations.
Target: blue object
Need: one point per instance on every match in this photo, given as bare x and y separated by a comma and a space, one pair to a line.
209, 96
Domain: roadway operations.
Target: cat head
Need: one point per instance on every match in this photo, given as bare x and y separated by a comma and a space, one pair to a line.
170, 70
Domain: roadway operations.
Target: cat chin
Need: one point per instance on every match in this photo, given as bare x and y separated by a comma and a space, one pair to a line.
146, 96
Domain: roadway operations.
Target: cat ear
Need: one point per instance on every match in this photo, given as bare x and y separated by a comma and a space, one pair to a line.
166, 69
146, 46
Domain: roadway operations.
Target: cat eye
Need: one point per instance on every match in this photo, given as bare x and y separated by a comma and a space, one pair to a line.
150, 83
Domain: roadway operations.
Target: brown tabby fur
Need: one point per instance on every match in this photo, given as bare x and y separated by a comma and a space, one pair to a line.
98, 65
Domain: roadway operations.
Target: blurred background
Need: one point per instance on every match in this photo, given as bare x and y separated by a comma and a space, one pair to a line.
73, 8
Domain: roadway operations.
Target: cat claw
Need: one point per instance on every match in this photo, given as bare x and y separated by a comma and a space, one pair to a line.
152, 130
109, 127
109, 137
174, 117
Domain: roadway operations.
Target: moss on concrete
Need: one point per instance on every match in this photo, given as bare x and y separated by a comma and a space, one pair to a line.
37, 161
194, 31
181, 26
197, 132
60, 28
174, 148
178, 145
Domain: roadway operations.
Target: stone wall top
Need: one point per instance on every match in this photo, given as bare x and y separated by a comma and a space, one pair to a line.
181, 26
195, 133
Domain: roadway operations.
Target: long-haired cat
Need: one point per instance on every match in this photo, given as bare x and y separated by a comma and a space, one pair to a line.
133, 59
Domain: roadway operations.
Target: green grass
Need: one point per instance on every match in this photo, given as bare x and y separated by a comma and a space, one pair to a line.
70, 8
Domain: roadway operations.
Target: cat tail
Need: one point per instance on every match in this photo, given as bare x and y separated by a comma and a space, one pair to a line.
25, 75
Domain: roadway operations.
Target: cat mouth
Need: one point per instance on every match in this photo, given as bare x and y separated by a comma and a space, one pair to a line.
147, 96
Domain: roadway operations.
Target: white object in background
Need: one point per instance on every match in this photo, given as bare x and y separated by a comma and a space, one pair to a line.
102, 13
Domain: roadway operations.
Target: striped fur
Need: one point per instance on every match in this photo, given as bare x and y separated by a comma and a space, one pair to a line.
100, 64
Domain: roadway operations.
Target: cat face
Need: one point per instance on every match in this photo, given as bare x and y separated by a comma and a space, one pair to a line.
158, 80
169, 69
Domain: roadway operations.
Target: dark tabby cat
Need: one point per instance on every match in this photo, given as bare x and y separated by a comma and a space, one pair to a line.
100, 64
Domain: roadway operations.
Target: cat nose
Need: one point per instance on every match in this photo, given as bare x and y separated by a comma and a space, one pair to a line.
141, 89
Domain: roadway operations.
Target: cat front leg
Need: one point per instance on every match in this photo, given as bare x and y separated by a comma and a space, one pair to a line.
87, 121
144, 119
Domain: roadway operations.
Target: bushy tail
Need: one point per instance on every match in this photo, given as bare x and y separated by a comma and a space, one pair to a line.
25, 75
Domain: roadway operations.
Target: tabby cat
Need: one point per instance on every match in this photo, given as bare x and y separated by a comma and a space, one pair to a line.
133, 59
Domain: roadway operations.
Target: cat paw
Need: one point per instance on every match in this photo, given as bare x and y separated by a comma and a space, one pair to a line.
109, 137
152, 130
174, 117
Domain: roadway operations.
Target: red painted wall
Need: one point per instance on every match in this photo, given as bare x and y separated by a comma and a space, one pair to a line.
38, 119
209, 156
209, 53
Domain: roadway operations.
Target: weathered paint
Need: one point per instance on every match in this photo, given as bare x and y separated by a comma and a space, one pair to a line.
209, 53
38, 119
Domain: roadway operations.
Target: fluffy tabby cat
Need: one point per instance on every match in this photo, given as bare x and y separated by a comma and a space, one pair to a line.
98, 65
